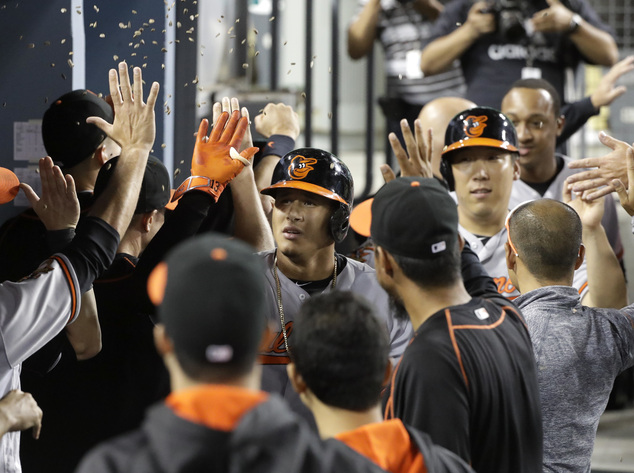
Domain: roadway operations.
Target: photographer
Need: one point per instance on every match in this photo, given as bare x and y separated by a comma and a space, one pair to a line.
403, 27
493, 54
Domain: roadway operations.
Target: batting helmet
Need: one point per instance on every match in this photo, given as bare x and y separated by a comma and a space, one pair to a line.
318, 172
478, 126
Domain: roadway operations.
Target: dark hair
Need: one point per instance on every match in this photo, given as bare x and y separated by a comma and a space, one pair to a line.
547, 236
540, 84
341, 350
441, 270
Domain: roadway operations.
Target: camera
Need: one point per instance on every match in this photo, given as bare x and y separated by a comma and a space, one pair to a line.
510, 18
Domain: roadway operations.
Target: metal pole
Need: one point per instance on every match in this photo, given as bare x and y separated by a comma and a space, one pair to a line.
275, 40
334, 78
308, 132
369, 126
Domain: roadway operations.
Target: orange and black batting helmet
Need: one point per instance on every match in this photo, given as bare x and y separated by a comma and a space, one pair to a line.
318, 172
478, 126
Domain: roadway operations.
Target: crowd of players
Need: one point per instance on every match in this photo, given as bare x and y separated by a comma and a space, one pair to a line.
479, 327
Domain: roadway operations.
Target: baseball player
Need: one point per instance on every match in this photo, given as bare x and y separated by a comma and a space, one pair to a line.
468, 378
341, 384
36, 309
313, 192
480, 162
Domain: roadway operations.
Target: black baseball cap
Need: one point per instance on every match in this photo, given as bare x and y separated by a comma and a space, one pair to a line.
155, 189
414, 217
67, 137
209, 293
480, 126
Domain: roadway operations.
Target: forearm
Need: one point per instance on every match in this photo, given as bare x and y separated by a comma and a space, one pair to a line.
251, 224
429, 8
476, 280
84, 334
362, 31
606, 282
442, 52
596, 45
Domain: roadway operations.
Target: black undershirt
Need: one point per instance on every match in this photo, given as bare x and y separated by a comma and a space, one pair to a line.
312, 287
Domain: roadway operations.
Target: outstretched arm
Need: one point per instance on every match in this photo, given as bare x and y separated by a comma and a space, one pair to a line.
606, 283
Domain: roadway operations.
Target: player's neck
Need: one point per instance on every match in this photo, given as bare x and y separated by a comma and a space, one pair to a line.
314, 267
483, 226
422, 303
543, 172
332, 421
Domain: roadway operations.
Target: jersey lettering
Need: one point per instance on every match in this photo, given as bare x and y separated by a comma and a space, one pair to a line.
505, 285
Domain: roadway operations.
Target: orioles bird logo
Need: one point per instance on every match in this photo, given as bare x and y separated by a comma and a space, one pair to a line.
300, 166
474, 126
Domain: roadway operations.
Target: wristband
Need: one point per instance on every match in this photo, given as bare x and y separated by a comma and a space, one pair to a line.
278, 145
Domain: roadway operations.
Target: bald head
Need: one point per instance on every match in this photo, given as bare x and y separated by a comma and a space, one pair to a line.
436, 115
547, 236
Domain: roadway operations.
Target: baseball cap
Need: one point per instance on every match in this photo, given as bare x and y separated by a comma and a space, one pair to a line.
480, 126
361, 217
209, 293
67, 137
155, 189
9, 185
414, 217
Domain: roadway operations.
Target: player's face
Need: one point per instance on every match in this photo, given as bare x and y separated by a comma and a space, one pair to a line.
301, 222
483, 179
532, 112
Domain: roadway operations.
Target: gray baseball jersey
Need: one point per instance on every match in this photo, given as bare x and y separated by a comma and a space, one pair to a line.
522, 192
493, 258
356, 277
32, 312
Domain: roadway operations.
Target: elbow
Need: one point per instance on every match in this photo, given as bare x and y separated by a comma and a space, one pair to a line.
85, 351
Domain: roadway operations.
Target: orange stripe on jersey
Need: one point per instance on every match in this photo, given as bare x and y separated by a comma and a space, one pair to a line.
452, 335
497, 323
73, 293
219, 407
274, 360
583, 287
387, 444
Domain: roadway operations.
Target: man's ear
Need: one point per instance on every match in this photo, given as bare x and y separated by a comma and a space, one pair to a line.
580, 256
296, 379
517, 169
101, 155
511, 259
384, 261
561, 121
162, 342
148, 219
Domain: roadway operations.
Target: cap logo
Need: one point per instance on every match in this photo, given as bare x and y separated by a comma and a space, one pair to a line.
474, 126
219, 353
438, 247
300, 166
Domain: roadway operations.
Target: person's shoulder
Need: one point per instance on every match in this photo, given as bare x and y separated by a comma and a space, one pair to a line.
267, 256
117, 455
359, 267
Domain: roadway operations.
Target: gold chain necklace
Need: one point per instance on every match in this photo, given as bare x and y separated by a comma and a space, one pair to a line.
280, 306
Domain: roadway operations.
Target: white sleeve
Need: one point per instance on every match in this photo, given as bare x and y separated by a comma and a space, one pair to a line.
37, 308
580, 281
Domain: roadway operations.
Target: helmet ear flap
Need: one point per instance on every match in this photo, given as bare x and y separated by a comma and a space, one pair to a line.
339, 222
447, 173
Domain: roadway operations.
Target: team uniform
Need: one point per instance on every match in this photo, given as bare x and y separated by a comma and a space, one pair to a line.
35, 310
522, 192
400, 449
468, 379
355, 277
493, 258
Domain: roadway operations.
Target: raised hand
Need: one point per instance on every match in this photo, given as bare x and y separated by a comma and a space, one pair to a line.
216, 161
416, 161
58, 208
626, 194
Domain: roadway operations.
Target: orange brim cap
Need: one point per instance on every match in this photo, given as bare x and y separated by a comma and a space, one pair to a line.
361, 218
303, 186
9, 185
171, 205
487, 142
